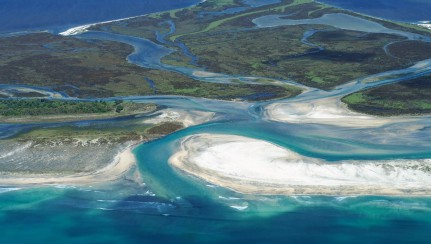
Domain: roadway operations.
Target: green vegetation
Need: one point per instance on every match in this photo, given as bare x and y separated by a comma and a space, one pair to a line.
413, 50
164, 128
227, 44
209, 5
404, 98
222, 43
214, 24
278, 53
49, 107
43, 110
100, 69
98, 135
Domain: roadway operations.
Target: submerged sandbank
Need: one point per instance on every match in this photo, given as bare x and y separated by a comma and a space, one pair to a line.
257, 167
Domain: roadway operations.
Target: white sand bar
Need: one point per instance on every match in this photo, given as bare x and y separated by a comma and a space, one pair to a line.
329, 111
186, 117
257, 167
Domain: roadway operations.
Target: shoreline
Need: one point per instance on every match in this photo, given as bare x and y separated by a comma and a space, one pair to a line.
414, 23
84, 28
251, 166
120, 165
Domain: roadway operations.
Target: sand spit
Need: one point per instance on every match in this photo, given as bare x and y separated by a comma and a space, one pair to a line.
329, 111
257, 167
122, 163
84, 28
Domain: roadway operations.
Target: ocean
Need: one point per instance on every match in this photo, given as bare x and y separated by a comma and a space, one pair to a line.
58, 15
400, 10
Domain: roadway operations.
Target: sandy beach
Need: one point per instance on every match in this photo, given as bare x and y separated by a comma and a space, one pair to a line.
122, 163
257, 167
84, 28
329, 111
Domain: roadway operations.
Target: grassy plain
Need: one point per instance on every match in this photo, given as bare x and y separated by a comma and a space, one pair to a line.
41, 110
100, 135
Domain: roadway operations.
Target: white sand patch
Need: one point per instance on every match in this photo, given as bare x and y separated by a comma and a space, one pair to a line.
426, 24
254, 166
84, 28
328, 111
187, 118
205, 74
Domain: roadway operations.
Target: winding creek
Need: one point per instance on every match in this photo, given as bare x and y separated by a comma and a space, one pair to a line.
179, 202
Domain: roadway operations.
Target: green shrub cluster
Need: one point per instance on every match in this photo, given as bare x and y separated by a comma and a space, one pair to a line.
35, 107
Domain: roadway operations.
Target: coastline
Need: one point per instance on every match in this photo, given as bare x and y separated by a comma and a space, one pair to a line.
313, 115
251, 166
414, 23
121, 164
84, 28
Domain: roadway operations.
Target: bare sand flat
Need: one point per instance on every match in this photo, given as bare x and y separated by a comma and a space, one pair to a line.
257, 167
122, 163
329, 111
187, 118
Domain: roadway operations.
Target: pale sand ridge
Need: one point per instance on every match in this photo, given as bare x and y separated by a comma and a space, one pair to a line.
257, 167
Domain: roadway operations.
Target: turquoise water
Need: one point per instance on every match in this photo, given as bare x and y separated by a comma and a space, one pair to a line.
174, 207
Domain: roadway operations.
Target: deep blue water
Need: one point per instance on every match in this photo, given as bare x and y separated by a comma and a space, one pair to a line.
56, 15
401, 10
